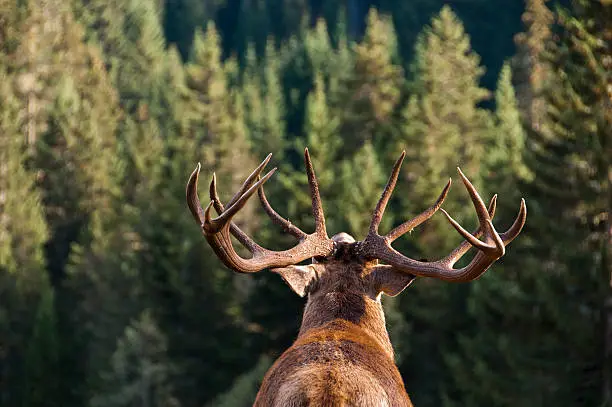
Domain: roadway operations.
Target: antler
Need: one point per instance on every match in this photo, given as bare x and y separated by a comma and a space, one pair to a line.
217, 231
489, 250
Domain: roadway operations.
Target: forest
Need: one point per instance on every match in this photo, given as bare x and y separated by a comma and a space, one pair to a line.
109, 293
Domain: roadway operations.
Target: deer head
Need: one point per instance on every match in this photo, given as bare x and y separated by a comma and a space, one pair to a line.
343, 339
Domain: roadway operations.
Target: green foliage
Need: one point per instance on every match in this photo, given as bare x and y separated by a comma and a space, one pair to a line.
531, 63
140, 368
23, 279
509, 140
110, 296
506, 170
566, 293
444, 125
22, 226
373, 90
130, 36
42, 357
264, 104
361, 180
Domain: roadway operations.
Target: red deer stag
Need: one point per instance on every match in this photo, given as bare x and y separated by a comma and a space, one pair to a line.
342, 355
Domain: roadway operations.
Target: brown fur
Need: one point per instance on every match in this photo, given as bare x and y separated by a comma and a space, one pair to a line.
343, 355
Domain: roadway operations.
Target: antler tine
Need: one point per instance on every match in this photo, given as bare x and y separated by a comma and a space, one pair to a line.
242, 237
214, 225
193, 201
492, 206
386, 195
465, 246
214, 196
506, 237
249, 181
317, 206
479, 205
276, 218
422, 217
497, 249
468, 236
518, 224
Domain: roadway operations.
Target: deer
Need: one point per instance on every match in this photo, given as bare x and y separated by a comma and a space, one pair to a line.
342, 355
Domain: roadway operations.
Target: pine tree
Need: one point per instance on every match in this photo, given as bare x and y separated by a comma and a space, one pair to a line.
530, 61
581, 139
505, 157
75, 153
133, 48
551, 313
244, 390
305, 56
140, 368
182, 18
486, 369
178, 273
444, 125
42, 358
321, 127
23, 232
22, 225
374, 89
264, 104
361, 180
220, 114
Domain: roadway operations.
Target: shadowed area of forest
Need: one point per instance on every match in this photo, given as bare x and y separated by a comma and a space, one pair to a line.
109, 293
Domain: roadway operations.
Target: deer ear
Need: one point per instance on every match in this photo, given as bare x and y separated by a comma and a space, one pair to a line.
298, 278
389, 280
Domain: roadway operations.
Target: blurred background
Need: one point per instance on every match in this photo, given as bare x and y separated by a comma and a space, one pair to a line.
110, 296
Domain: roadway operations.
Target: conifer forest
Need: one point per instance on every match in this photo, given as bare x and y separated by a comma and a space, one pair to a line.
109, 294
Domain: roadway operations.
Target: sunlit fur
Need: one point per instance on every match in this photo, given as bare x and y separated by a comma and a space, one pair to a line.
343, 355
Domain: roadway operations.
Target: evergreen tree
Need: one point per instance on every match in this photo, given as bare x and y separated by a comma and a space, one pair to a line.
42, 358
264, 104
183, 17
530, 61
305, 56
321, 128
22, 225
75, 153
553, 357
133, 48
178, 273
140, 369
505, 156
23, 232
361, 180
496, 305
580, 143
444, 127
374, 89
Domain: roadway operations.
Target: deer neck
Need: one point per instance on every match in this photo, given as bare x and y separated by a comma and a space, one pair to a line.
337, 312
